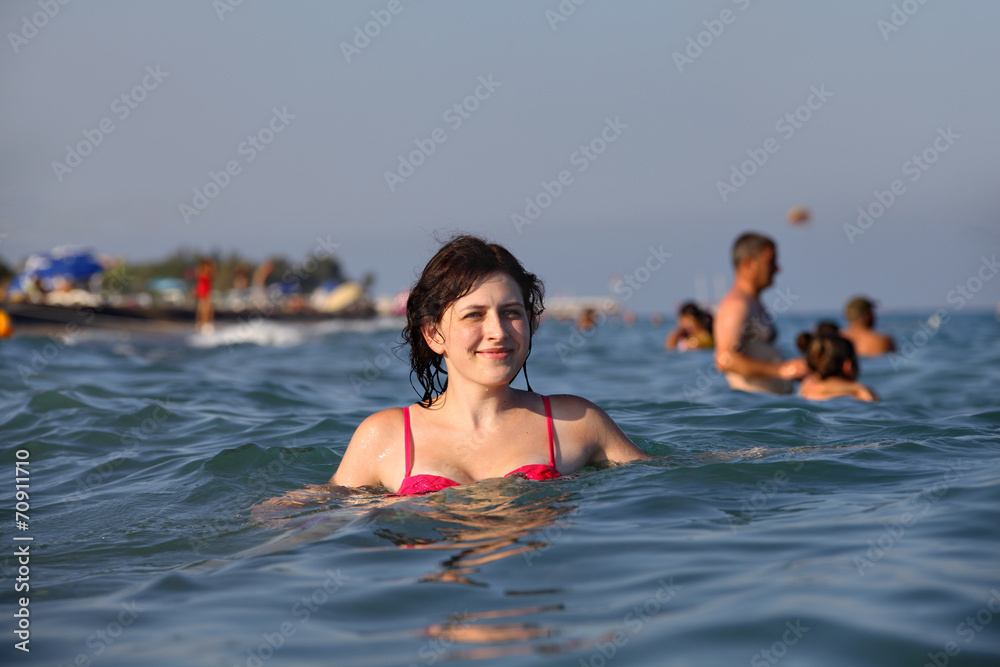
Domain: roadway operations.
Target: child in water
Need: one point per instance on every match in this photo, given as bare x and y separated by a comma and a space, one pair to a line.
834, 364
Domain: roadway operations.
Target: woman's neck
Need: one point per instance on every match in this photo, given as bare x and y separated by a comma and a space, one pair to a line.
479, 406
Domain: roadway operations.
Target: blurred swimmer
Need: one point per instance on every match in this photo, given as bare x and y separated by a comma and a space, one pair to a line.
744, 332
835, 368
860, 313
694, 330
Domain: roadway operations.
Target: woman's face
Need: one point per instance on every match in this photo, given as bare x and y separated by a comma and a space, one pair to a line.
690, 322
484, 335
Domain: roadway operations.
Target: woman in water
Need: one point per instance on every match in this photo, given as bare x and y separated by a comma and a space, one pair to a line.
694, 330
834, 364
469, 322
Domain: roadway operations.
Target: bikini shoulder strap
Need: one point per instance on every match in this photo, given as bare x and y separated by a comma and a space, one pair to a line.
408, 440
548, 424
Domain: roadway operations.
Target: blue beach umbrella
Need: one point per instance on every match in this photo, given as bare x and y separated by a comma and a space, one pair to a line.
71, 264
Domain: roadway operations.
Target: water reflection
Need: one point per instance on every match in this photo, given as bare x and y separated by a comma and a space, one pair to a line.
473, 526
478, 525
508, 638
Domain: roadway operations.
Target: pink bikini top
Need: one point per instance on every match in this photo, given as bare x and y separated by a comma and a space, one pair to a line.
415, 485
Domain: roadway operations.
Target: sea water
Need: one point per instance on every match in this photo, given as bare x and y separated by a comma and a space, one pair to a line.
766, 530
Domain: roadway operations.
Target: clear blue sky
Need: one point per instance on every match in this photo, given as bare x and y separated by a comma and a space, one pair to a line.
678, 128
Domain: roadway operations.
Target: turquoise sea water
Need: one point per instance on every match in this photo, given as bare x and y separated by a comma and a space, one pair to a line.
767, 530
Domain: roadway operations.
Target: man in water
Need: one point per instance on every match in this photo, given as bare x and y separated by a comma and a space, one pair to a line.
744, 333
860, 313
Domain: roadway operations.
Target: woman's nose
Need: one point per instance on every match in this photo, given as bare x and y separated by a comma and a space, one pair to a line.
494, 326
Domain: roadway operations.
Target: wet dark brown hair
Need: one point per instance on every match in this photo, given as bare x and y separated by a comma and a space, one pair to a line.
695, 311
827, 328
826, 354
451, 274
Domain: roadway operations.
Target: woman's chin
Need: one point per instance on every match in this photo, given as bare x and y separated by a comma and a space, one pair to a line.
500, 379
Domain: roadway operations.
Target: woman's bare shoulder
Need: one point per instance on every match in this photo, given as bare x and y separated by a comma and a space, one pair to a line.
381, 425
375, 450
865, 393
578, 414
601, 439
570, 406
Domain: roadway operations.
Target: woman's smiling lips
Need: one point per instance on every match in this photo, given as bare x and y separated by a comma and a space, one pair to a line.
495, 353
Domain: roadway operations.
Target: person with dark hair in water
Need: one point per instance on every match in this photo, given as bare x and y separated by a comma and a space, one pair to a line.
694, 330
834, 367
470, 318
827, 328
